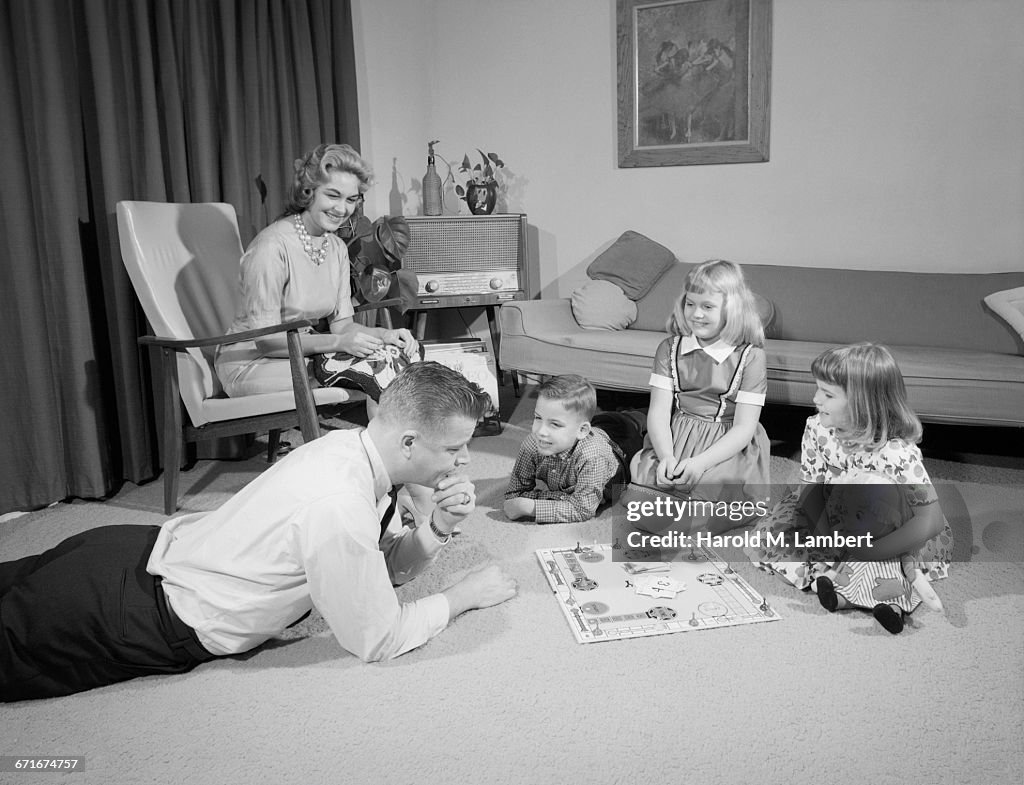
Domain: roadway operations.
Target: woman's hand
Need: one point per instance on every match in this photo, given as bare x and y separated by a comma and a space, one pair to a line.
359, 343
401, 338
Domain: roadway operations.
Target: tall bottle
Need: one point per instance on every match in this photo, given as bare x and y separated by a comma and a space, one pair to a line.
431, 185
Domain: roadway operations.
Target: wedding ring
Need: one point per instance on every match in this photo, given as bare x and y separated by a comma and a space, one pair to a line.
465, 498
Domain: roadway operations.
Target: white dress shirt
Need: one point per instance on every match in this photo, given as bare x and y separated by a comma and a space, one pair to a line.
304, 533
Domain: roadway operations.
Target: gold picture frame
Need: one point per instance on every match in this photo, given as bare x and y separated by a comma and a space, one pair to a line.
693, 81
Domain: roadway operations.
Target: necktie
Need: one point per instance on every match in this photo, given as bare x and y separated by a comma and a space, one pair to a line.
390, 511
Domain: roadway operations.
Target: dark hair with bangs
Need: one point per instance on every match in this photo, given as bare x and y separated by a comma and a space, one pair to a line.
875, 393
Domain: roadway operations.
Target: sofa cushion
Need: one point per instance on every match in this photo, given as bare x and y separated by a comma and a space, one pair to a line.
943, 385
1009, 304
942, 310
633, 262
653, 310
915, 362
840, 306
602, 305
766, 310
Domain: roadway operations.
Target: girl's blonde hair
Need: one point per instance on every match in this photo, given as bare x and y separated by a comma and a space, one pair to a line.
742, 324
875, 392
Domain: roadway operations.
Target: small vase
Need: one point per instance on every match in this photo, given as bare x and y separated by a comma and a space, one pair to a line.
481, 197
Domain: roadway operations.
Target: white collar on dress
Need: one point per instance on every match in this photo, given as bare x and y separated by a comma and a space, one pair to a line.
718, 350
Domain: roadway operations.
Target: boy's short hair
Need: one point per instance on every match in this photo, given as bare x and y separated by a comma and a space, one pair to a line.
425, 394
572, 391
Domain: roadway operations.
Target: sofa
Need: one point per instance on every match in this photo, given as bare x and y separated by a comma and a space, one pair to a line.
963, 362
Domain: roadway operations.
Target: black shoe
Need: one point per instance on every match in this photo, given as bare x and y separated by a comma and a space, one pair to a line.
889, 617
827, 595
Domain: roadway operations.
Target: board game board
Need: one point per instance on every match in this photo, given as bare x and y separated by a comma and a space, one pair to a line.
601, 599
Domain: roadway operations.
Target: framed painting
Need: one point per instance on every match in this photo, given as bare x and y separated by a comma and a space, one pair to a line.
693, 81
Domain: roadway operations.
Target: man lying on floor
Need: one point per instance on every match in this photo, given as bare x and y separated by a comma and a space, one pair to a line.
117, 602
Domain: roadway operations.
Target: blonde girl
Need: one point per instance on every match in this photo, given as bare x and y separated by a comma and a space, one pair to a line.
864, 432
704, 440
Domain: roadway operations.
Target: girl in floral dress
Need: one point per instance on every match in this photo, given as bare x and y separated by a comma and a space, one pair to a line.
864, 430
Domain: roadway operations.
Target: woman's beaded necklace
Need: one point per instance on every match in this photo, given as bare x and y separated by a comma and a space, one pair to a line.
317, 255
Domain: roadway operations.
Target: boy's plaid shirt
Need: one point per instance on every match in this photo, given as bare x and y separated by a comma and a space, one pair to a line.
575, 479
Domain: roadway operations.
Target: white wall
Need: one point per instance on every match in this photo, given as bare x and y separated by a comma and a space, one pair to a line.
896, 132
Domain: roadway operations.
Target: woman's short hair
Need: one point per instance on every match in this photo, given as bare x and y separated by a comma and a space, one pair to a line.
741, 322
425, 394
317, 165
875, 393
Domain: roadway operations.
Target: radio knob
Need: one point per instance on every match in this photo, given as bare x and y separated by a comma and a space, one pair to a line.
495, 283
432, 286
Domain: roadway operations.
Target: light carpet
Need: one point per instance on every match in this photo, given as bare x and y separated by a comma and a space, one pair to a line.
505, 695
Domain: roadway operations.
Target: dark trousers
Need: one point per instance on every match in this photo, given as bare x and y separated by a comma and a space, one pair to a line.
85, 614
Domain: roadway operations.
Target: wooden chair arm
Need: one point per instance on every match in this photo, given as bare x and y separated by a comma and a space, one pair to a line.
216, 340
392, 303
305, 404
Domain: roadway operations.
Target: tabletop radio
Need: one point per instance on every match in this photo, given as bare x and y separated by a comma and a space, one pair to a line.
466, 260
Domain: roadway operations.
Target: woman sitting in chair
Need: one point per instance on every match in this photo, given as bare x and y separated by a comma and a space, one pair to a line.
298, 268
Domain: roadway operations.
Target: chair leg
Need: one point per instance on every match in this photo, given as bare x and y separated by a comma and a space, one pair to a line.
172, 432
515, 382
309, 423
273, 442
172, 469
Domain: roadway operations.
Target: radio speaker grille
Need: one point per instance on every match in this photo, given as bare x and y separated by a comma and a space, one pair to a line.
450, 244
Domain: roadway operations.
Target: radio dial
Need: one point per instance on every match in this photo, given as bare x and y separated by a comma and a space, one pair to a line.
432, 286
495, 283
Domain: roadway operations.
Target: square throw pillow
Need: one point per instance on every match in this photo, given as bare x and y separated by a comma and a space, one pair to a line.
1009, 305
601, 305
633, 262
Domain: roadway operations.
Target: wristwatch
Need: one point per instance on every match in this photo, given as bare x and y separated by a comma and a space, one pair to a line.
442, 537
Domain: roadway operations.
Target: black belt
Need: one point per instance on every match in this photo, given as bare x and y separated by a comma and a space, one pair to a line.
178, 634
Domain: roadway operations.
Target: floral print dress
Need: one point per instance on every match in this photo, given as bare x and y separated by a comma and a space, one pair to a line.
826, 459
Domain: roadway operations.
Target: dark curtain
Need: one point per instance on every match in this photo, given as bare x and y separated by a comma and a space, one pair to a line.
104, 100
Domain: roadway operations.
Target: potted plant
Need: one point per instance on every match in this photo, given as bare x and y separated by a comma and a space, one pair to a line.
375, 250
481, 191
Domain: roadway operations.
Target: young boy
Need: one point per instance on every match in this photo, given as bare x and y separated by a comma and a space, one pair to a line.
565, 464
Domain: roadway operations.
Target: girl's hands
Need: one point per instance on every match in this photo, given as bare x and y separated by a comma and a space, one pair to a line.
667, 471
684, 473
688, 472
